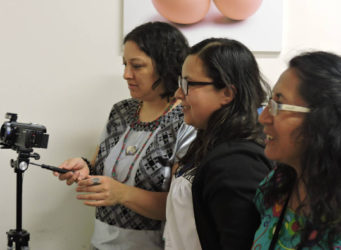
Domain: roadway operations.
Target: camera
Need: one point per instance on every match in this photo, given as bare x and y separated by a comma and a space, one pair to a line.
17, 135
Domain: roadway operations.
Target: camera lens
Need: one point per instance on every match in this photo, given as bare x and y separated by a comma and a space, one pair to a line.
6, 133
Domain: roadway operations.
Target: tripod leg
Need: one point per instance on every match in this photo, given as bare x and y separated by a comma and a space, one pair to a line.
10, 240
19, 238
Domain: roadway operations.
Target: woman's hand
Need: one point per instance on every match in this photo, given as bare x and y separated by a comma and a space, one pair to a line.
101, 191
79, 171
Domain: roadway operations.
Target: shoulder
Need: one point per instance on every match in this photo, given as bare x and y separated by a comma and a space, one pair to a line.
186, 131
239, 164
125, 105
123, 108
237, 155
259, 197
238, 146
173, 118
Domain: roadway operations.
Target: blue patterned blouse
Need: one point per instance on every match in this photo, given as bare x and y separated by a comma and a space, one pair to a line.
289, 236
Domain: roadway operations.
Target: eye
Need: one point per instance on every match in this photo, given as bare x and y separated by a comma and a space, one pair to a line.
137, 66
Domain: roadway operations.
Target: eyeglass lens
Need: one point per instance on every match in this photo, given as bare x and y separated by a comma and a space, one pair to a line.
273, 107
183, 85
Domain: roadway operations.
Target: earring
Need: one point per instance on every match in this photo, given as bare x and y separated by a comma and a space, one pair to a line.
182, 11
237, 9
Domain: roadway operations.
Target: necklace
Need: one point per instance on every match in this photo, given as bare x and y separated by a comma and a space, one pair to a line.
133, 149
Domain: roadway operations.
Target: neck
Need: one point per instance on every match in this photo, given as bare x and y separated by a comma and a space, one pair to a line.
151, 110
299, 196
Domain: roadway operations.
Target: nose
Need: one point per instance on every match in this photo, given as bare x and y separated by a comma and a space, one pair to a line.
127, 73
179, 94
265, 117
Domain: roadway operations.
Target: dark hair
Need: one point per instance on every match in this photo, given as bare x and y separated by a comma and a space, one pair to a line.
166, 46
319, 75
230, 64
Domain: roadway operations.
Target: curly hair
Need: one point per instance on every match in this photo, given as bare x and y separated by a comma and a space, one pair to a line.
229, 64
167, 47
319, 76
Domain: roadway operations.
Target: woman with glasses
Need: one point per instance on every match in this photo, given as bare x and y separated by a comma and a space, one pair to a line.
300, 200
129, 177
210, 202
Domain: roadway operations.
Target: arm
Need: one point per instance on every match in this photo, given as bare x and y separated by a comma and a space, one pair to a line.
146, 203
230, 183
93, 160
111, 192
236, 220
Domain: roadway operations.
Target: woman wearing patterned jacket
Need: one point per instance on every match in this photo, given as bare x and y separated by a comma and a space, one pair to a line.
132, 167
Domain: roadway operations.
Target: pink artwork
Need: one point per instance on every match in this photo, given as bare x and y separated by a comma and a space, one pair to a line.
256, 23
192, 11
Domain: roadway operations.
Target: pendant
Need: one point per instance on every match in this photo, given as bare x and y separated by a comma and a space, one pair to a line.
131, 150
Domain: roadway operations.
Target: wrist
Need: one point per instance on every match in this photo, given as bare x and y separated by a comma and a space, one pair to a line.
124, 192
88, 164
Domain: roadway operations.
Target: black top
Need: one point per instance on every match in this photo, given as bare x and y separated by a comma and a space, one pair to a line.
223, 190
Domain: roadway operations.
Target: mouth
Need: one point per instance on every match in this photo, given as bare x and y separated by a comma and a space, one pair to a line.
132, 86
268, 139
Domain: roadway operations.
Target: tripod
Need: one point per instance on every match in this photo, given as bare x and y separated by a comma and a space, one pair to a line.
19, 236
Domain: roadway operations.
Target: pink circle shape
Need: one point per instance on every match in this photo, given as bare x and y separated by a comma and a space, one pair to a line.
182, 11
237, 9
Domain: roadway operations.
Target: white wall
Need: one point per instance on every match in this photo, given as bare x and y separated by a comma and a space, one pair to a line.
61, 66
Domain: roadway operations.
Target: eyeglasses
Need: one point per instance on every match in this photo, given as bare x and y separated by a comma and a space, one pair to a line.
274, 107
184, 83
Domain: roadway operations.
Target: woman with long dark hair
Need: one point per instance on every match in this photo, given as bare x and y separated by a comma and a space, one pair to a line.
220, 89
300, 201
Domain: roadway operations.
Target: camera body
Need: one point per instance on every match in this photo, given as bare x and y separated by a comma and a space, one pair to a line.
17, 135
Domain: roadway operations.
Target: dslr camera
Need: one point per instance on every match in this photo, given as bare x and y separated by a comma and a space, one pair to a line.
19, 136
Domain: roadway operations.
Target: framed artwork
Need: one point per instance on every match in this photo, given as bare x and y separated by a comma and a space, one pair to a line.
260, 32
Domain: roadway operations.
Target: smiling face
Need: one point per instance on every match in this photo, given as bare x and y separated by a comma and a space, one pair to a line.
283, 143
201, 101
140, 73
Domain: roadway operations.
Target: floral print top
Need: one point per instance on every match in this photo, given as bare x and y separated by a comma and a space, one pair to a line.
289, 236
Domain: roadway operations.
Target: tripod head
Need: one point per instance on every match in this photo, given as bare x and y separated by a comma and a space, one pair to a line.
23, 160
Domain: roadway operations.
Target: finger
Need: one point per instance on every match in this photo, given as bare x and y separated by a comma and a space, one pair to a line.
77, 166
82, 177
89, 189
95, 203
93, 200
70, 181
65, 165
71, 165
90, 181
65, 176
75, 177
90, 196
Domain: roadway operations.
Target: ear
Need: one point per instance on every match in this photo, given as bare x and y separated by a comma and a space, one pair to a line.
227, 95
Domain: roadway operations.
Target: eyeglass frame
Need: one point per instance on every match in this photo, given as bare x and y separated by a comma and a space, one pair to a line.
182, 80
274, 107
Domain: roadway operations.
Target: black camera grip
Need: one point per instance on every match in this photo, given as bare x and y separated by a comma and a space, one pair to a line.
59, 170
52, 168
